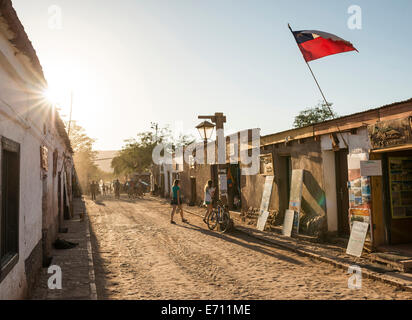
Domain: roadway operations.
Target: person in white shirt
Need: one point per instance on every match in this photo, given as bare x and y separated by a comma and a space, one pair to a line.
209, 192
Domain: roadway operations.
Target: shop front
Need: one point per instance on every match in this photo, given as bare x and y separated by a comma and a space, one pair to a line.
392, 192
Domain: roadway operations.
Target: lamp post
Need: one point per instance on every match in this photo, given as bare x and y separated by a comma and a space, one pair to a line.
219, 119
205, 131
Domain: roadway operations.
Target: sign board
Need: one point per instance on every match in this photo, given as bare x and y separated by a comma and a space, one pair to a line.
264, 205
357, 238
288, 223
262, 220
390, 133
296, 190
371, 168
295, 200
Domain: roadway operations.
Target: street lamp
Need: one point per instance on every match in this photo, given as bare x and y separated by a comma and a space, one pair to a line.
205, 130
219, 119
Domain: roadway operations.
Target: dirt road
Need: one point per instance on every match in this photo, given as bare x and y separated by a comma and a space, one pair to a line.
138, 254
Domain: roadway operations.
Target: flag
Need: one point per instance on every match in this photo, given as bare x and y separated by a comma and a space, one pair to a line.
318, 44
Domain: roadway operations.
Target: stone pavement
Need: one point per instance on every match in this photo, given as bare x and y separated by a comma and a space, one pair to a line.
76, 264
330, 253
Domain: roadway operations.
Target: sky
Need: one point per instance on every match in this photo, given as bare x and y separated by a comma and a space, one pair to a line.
133, 62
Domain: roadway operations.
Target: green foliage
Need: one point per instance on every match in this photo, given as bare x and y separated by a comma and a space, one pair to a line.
136, 155
84, 157
317, 114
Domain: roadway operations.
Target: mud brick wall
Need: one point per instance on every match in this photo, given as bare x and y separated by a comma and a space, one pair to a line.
306, 155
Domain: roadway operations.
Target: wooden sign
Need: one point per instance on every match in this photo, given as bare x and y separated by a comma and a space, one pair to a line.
288, 223
295, 200
264, 205
262, 220
357, 238
390, 133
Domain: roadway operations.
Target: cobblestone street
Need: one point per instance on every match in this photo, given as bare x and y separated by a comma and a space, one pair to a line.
138, 254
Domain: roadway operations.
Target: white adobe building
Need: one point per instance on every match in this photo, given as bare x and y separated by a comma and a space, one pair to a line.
36, 166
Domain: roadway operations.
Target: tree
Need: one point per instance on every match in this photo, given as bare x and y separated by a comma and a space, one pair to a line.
84, 156
317, 114
136, 155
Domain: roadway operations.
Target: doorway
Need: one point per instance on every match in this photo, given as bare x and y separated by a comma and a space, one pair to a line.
233, 186
285, 176
193, 194
398, 173
342, 194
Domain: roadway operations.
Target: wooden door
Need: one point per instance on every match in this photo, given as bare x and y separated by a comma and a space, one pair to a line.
193, 195
342, 194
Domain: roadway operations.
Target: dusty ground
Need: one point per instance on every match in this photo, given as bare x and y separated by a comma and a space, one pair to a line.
138, 254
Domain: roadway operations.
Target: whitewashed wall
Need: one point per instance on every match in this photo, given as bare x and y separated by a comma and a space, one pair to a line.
21, 120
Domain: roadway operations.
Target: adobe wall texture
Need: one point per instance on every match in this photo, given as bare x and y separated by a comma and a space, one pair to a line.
306, 155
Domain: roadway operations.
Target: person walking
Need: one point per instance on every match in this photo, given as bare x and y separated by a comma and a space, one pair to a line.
209, 192
176, 202
117, 189
93, 190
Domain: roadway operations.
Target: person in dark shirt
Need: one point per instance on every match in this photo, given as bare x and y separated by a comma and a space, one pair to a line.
176, 202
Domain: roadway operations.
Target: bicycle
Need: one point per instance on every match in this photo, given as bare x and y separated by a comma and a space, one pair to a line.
220, 217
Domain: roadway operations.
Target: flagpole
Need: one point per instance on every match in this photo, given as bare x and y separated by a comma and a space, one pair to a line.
320, 89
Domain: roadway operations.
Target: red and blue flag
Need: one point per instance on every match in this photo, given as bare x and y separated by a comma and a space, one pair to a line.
318, 44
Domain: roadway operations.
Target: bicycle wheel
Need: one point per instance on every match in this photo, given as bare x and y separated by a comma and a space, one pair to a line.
224, 225
212, 220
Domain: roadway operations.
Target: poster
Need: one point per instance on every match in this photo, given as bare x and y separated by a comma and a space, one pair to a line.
264, 205
357, 238
266, 164
359, 214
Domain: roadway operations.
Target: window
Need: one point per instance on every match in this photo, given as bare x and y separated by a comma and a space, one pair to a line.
9, 214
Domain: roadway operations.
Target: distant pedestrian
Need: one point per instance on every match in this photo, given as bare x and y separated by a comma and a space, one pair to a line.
209, 193
117, 189
93, 190
176, 202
